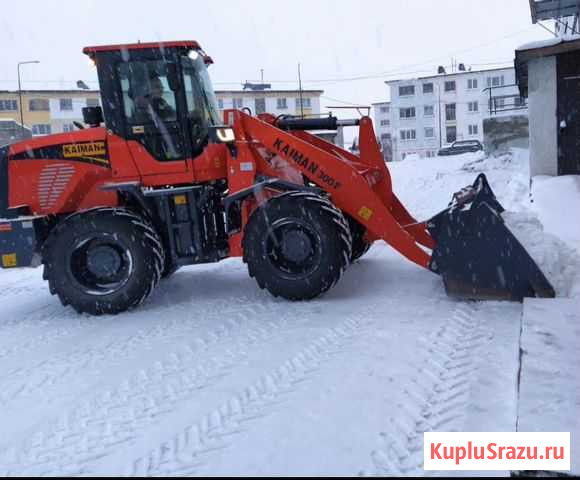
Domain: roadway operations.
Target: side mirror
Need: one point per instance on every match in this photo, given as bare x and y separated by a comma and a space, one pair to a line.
93, 116
173, 77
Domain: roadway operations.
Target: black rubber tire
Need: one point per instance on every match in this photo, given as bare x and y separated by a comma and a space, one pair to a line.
330, 246
131, 232
169, 269
359, 245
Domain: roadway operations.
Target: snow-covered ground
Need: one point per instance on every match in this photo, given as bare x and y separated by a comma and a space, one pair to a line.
214, 377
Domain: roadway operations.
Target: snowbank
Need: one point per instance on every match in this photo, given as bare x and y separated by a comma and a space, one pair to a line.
556, 201
550, 387
426, 186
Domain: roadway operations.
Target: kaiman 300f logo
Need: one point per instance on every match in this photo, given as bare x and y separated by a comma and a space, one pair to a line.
92, 151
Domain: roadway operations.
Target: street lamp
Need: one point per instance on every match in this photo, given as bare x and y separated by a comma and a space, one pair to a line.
20, 91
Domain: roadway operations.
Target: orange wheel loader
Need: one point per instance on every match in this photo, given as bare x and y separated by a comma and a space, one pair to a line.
157, 179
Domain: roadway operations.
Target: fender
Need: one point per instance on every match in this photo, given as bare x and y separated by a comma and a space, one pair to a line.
232, 203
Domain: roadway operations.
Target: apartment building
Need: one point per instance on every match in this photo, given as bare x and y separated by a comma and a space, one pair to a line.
47, 111
54, 111
431, 112
276, 102
382, 124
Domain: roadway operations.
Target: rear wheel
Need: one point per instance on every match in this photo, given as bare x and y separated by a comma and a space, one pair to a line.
104, 261
297, 245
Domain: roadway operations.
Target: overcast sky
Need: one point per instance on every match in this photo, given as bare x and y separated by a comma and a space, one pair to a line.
335, 41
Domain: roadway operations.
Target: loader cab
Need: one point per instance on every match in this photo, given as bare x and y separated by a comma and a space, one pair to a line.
157, 96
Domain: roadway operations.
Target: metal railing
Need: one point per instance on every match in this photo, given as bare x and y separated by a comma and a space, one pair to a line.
505, 103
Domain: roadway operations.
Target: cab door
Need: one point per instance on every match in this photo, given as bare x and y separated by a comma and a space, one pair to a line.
154, 118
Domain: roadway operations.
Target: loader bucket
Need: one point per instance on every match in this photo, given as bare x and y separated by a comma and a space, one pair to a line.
477, 255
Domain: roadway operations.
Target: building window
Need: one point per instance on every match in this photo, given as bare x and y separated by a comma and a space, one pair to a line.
496, 81
281, 103
450, 112
66, 104
384, 109
450, 86
41, 129
93, 102
473, 129
407, 112
306, 103
427, 88
428, 111
451, 134
429, 132
38, 105
408, 135
473, 106
68, 127
8, 106
385, 123
260, 105
472, 83
220, 103
238, 103
406, 91
385, 136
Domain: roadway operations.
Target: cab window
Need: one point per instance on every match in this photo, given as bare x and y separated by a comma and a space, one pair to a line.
150, 108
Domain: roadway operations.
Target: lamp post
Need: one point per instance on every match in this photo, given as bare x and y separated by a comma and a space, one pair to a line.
20, 91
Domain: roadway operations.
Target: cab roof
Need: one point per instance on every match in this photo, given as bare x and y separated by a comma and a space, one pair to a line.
184, 44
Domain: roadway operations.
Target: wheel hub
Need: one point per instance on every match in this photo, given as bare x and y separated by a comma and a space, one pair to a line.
293, 247
296, 246
104, 261
100, 264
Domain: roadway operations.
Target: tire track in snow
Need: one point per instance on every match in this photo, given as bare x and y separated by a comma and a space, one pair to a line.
437, 397
101, 426
61, 321
87, 363
48, 323
97, 427
189, 451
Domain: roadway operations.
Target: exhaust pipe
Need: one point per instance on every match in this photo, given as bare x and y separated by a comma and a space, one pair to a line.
314, 123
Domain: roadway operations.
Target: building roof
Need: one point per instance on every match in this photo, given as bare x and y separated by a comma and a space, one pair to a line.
381, 103
545, 48
187, 44
551, 9
222, 92
257, 92
466, 72
50, 92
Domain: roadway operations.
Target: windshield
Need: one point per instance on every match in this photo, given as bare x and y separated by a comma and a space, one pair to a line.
201, 99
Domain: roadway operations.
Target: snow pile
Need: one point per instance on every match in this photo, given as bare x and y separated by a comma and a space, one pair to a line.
426, 187
556, 200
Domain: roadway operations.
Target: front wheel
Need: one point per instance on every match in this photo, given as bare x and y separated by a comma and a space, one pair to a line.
103, 261
359, 245
297, 245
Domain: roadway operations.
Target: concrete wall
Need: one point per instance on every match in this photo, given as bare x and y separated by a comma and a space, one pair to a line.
542, 104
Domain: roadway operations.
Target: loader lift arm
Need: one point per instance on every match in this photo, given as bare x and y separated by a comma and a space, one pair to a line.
467, 243
360, 187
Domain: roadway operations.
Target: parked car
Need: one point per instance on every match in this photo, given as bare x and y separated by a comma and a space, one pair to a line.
461, 146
